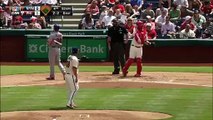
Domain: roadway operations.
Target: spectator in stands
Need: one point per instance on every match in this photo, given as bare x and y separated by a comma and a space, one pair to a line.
16, 3
3, 4
188, 20
10, 3
118, 13
8, 17
108, 3
104, 12
36, 2
93, 9
98, 25
160, 20
123, 18
59, 1
136, 12
168, 29
150, 21
34, 23
208, 33
148, 11
207, 8
174, 13
139, 3
198, 21
27, 3
50, 2
187, 33
118, 6
2, 18
129, 9
130, 27
88, 22
18, 23
107, 20
181, 3
195, 4
160, 10
42, 22
151, 33
165, 3
185, 12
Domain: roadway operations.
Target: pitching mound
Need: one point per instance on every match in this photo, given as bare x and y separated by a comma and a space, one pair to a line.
83, 115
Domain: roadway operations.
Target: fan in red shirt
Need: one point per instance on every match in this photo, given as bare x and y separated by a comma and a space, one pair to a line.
151, 33
130, 27
207, 8
118, 6
188, 21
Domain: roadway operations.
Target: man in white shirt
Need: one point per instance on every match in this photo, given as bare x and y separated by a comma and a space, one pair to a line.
168, 29
181, 3
107, 20
161, 19
187, 33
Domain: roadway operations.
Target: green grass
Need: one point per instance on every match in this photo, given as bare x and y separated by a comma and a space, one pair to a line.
183, 104
9, 70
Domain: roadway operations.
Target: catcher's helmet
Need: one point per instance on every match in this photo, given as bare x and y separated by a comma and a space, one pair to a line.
56, 27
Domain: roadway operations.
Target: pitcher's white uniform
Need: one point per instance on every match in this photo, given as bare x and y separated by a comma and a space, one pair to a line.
71, 79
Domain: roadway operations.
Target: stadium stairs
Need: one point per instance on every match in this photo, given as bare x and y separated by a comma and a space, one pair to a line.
70, 22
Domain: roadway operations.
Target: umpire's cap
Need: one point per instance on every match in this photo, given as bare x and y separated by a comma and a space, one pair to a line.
56, 27
74, 50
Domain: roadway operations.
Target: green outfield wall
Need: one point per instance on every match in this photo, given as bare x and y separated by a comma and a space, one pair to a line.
30, 45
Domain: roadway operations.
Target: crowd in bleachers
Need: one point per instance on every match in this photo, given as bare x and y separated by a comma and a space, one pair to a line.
25, 21
170, 19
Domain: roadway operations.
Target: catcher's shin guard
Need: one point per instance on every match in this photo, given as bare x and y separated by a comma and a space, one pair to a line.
127, 65
139, 66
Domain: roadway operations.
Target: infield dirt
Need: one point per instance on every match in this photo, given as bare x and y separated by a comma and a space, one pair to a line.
104, 80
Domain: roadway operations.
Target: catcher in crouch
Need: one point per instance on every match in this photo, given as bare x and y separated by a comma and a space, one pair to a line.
136, 49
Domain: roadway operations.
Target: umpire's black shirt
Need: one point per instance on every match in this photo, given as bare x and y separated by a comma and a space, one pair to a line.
117, 34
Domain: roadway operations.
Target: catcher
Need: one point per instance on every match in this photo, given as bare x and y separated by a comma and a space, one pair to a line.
136, 49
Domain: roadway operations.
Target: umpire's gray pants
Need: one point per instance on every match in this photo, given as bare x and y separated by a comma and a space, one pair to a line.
55, 57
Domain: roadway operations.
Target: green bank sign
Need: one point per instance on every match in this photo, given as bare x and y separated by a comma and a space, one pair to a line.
93, 48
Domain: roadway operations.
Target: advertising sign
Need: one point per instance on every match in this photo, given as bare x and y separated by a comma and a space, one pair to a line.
91, 48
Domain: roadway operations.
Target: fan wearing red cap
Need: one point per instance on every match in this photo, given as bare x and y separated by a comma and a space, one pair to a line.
136, 49
34, 24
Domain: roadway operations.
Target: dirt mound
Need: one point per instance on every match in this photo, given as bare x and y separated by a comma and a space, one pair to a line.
83, 115
106, 80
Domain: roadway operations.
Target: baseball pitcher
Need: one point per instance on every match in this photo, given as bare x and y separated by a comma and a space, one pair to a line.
55, 42
71, 77
136, 49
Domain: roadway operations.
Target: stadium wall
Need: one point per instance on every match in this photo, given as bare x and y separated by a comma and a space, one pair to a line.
16, 47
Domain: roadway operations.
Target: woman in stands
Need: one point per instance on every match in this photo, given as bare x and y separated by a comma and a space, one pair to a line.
87, 22
93, 9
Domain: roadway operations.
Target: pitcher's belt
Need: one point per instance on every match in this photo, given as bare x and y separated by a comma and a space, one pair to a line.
137, 46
